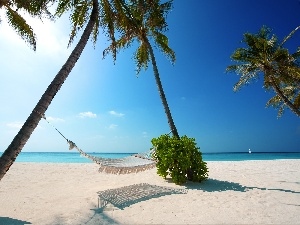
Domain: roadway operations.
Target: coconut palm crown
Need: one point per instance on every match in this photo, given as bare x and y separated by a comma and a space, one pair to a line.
145, 21
265, 55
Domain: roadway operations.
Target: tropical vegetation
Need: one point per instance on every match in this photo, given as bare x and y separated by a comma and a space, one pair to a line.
265, 55
180, 159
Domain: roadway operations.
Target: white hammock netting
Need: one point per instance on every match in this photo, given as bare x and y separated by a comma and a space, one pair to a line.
131, 164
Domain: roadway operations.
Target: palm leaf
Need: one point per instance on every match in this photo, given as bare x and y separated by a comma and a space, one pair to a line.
163, 43
107, 16
62, 7
35, 7
124, 41
278, 104
79, 18
289, 36
142, 57
19, 24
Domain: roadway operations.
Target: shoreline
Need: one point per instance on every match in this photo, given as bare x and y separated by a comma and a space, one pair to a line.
237, 192
58, 157
207, 161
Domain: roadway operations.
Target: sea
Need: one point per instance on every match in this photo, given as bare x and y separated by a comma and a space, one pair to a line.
74, 157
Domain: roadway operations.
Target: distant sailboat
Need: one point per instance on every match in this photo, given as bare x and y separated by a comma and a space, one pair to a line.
249, 150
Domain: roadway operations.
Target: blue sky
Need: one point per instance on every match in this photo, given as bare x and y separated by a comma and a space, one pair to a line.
105, 107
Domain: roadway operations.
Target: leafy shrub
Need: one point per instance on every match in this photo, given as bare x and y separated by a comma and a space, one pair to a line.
179, 158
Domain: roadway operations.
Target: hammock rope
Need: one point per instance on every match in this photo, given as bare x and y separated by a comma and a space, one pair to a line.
130, 164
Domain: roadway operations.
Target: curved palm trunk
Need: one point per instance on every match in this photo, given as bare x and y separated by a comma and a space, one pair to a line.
283, 97
161, 92
10, 154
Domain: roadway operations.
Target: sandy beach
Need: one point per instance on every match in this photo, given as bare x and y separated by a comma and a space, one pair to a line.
248, 192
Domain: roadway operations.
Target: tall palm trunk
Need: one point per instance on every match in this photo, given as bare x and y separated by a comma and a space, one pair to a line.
10, 154
161, 91
283, 97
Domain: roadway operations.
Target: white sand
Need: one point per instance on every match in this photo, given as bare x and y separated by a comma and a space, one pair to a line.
251, 192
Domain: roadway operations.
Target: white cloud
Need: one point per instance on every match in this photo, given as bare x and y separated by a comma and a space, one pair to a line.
54, 119
15, 125
183, 98
87, 114
114, 113
112, 126
145, 134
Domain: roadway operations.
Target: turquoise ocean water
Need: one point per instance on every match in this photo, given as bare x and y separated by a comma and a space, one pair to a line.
71, 157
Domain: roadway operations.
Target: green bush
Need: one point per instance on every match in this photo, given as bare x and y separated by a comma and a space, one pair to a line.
179, 158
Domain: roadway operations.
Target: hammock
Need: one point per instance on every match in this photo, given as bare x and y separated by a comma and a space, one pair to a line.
131, 164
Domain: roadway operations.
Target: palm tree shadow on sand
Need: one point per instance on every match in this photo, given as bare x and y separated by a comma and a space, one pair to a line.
214, 185
100, 218
11, 221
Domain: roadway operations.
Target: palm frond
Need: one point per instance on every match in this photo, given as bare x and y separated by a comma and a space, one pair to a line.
107, 21
245, 79
163, 43
290, 74
79, 18
289, 36
19, 24
62, 7
278, 104
142, 57
123, 42
296, 55
34, 8
120, 15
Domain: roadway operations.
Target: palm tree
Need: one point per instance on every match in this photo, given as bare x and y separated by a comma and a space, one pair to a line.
143, 19
265, 55
15, 147
35, 8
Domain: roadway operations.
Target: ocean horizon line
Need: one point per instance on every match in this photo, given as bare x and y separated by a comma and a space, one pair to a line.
246, 152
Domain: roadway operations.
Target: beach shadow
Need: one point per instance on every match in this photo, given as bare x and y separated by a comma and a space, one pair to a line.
214, 185
292, 205
11, 221
283, 181
100, 218
275, 189
96, 218
129, 195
